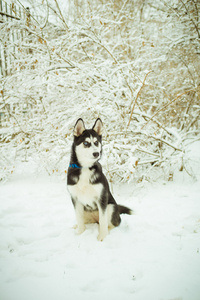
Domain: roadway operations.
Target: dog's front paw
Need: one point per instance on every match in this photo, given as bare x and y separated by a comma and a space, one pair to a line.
102, 236
80, 229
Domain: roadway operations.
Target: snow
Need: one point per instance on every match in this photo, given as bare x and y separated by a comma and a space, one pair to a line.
154, 254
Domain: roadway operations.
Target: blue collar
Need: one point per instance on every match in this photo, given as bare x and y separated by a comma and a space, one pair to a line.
74, 166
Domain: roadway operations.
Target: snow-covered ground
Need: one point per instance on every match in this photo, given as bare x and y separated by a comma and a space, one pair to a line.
153, 255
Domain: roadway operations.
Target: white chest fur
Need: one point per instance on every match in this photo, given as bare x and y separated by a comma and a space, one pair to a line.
84, 191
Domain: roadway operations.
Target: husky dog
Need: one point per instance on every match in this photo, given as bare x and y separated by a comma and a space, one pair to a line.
88, 186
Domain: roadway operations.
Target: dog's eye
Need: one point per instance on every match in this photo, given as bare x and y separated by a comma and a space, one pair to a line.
96, 143
86, 144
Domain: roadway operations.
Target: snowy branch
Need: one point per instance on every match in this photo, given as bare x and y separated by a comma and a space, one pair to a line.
96, 64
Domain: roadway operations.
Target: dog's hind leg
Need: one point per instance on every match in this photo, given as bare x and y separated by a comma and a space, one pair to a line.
113, 216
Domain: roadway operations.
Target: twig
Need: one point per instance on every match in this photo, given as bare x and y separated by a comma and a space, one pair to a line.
59, 68
7, 15
163, 141
61, 15
191, 19
147, 152
145, 116
165, 106
121, 10
28, 12
192, 122
139, 92
104, 47
160, 140
42, 38
46, 17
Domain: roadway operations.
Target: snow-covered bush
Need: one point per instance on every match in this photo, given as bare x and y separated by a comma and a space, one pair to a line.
123, 62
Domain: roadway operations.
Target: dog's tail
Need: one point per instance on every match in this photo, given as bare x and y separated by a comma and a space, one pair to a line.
125, 210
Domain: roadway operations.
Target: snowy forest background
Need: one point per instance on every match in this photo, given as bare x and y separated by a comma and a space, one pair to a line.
134, 63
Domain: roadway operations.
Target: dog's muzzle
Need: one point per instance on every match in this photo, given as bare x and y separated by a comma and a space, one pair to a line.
96, 154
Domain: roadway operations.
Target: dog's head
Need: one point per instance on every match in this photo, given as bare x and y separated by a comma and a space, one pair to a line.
87, 142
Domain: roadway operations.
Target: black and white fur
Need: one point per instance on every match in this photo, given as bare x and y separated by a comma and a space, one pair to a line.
88, 186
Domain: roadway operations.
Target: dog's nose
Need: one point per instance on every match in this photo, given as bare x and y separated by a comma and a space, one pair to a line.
96, 154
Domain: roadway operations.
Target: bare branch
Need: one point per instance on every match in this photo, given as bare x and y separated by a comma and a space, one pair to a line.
139, 92
168, 104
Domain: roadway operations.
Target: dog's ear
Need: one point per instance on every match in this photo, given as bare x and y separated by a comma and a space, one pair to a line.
79, 127
98, 126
